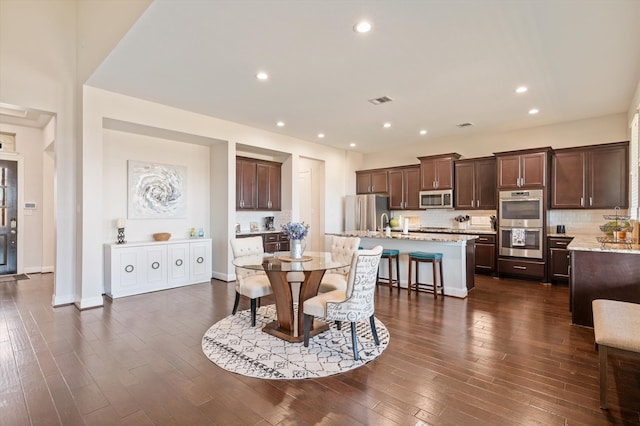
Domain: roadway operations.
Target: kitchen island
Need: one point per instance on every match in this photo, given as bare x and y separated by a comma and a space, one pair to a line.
458, 252
610, 271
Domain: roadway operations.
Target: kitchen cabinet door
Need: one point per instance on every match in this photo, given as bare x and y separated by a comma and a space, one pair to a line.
437, 171
485, 184
594, 177
396, 189
268, 186
371, 182
485, 261
246, 184
475, 184
412, 185
568, 174
404, 188
559, 259
609, 177
526, 170
464, 185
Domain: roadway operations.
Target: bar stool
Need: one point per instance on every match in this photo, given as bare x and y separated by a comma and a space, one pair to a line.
433, 258
390, 254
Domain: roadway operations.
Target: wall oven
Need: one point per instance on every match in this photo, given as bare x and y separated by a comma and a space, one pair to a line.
521, 222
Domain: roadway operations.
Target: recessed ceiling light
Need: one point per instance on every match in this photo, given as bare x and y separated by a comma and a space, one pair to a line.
521, 89
423, 132
362, 27
280, 124
386, 125
533, 111
321, 135
262, 75
352, 144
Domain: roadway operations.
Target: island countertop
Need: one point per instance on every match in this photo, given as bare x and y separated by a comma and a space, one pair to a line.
458, 253
415, 236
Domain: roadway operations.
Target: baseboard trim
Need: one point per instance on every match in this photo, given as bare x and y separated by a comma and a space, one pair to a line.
89, 303
57, 301
223, 277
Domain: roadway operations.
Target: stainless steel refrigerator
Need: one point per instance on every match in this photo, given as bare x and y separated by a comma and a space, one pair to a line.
364, 212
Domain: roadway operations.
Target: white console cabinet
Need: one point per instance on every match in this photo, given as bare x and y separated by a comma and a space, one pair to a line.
135, 268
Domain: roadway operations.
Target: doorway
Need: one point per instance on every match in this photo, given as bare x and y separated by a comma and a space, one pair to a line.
8, 217
310, 178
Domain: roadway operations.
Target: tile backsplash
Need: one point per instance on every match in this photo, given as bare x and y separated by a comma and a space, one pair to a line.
575, 221
244, 218
579, 221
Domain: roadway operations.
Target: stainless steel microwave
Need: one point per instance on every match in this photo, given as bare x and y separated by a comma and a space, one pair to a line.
436, 199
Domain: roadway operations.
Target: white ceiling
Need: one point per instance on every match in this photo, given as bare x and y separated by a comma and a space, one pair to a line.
442, 63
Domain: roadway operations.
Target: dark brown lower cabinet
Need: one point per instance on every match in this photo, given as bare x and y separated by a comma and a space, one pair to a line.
558, 260
602, 275
271, 241
485, 262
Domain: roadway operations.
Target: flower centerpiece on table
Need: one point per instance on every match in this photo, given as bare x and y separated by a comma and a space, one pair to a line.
295, 230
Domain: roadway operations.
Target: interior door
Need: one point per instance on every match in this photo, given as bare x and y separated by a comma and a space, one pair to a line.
8, 217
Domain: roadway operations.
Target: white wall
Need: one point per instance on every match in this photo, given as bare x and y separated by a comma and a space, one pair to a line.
119, 148
612, 128
100, 105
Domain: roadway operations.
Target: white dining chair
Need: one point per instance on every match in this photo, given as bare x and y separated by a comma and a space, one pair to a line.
336, 279
353, 304
249, 283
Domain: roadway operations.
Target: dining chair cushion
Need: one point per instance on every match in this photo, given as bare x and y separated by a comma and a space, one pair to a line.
331, 281
317, 305
254, 286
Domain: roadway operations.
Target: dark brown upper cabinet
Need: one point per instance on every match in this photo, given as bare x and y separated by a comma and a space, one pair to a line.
258, 184
404, 188
475, 184
269, 183
436, 171
592, 177
523, 169
371, 181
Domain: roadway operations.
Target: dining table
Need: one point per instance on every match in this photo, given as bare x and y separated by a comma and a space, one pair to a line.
280, 268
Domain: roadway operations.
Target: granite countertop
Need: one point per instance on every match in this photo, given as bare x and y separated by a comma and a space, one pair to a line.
415, 236
260, 232
589, 242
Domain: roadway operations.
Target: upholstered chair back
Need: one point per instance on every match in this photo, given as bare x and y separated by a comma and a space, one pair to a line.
361, 285
251, 246
343, 247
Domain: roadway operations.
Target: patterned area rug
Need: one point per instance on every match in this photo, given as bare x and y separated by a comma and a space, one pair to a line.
237, 347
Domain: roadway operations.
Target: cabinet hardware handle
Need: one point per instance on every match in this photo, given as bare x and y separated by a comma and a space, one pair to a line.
560, 243
129, 268
582, 201
179, 262
590, 201
519, 267
155, 265
200, 259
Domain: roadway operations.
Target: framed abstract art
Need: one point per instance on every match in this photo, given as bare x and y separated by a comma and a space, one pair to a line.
156, 191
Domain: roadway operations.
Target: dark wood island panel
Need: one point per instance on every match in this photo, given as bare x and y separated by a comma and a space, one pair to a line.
602, 275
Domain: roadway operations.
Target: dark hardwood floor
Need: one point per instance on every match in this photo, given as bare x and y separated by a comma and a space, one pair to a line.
505, 355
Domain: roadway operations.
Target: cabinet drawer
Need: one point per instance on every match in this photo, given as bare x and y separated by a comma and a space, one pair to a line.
560, 243
486, 239
525, 268
271, 238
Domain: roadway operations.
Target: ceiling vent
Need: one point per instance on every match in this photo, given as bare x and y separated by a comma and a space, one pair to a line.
467, 124
381, 100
